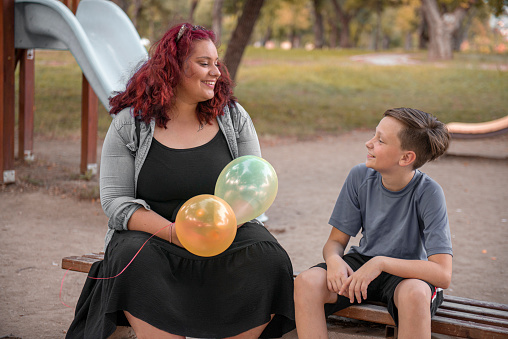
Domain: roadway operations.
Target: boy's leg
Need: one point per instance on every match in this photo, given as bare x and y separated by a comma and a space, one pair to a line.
412, 297
311, 294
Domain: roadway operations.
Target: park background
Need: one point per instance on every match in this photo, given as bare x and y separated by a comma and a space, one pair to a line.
314, 102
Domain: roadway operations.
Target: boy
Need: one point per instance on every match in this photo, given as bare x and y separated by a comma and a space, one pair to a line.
405, 256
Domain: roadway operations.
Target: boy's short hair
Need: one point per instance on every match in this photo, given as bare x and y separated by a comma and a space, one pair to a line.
424, 134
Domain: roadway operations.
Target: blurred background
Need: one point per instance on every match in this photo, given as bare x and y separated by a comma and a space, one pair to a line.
312, 67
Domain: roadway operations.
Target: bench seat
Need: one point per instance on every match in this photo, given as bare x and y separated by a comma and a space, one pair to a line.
457, 316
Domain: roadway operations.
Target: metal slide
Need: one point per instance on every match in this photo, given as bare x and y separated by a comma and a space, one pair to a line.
100, 36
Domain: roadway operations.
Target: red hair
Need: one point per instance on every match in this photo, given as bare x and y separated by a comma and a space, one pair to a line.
151, 90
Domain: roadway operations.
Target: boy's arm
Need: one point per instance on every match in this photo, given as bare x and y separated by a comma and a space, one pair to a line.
437, 271
337, 270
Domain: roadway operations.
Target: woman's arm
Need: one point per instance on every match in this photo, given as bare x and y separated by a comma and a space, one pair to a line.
151, 222
118, 184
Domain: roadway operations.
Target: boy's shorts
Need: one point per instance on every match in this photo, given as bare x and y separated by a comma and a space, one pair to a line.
381, 289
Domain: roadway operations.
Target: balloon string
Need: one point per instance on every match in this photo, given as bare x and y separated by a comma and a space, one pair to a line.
61, 288
134, 257
130, 262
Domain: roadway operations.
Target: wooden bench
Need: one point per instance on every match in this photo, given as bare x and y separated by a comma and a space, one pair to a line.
459, 317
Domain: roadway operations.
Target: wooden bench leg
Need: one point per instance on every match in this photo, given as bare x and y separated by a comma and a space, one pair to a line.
391, 332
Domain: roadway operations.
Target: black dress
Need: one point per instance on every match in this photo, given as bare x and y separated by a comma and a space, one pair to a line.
175, 290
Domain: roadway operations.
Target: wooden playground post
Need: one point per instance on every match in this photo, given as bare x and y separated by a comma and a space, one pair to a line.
26, 103
7, 92
89, 122
89, 117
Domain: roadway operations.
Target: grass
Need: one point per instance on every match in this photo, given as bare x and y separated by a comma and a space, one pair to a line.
301, 93
306, 93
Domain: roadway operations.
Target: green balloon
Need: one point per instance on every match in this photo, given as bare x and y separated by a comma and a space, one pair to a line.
249, 185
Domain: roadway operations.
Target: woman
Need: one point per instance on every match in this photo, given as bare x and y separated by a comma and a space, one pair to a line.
190, 128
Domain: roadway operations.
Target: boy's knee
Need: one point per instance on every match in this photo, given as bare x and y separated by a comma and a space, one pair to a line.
310, 283
413, 292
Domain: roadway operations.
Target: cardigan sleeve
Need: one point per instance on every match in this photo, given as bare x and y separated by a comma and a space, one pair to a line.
246, 136
117, 186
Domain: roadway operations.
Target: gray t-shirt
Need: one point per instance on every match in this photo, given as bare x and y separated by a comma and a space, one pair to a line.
408, 224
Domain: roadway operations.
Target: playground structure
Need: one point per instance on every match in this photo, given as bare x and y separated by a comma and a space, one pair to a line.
463, 130
105, 45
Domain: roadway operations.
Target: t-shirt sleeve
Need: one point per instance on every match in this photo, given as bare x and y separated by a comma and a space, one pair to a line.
436, 228
346, 215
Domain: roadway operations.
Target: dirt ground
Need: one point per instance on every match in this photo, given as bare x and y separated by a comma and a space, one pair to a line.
50, 213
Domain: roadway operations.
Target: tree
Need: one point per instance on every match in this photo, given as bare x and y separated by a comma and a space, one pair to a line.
441, 27
217, 17
241, 35
284, 20
319, 39
344, 17
193, 5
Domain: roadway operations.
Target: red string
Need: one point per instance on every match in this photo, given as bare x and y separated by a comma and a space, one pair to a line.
130, 262
61, 288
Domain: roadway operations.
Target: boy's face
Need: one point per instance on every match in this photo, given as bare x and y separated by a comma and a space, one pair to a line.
384, 150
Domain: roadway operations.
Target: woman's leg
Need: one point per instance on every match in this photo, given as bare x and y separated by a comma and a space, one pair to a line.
253, 333
412, 298
311, 293
144, 330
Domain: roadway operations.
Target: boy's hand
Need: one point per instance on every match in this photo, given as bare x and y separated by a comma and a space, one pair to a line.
337, 273
356, 284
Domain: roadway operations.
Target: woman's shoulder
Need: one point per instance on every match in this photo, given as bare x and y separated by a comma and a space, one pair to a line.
124, 117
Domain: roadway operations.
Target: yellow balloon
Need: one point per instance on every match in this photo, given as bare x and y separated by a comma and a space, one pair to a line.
249, 185
206, 225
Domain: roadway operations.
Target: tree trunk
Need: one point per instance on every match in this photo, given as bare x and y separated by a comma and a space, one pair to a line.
217, 18
241, 35
136, 12
441, 29
268, 35
408, 41
344, 19
462, 31
334, 32
423, 31
377, 29
318, 24
194, 4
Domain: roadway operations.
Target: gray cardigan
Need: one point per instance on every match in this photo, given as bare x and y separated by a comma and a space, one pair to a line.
121, 160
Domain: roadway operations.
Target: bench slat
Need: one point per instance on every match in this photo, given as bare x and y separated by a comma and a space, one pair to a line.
478, 303
80, 264
473, 318
466, 329
481, 311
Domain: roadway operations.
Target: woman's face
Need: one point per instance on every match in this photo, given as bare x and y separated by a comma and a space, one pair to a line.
200, 73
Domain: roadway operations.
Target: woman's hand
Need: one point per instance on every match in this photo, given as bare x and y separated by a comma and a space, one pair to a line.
356, 284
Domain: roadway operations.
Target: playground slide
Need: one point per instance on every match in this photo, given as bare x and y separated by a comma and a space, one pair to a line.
465, 130
100, 36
